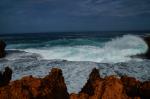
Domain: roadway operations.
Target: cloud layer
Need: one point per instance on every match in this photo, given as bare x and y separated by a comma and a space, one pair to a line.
114, 7
73, 15
78, 7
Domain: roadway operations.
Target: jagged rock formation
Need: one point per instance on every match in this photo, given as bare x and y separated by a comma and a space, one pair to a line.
53, 87
50, 87
2, 49
101, 88
113, 88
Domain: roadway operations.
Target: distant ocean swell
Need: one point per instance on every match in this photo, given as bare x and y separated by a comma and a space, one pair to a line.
115, 50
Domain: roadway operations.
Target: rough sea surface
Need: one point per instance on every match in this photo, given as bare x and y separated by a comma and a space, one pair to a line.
76, 54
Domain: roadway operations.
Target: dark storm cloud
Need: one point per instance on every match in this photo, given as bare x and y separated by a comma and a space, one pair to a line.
62, 15
114, 7
28, 6
78, 7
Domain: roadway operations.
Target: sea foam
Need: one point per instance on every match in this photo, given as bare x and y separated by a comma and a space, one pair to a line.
117, 50
111, 58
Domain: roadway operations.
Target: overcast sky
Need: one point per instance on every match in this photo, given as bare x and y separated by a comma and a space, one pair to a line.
24, 16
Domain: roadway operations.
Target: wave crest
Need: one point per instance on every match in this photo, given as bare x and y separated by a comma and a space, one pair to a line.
116, 50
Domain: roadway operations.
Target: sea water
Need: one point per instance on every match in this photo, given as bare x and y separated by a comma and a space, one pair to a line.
76, 53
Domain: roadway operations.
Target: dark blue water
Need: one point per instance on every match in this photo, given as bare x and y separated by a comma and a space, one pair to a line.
36, 40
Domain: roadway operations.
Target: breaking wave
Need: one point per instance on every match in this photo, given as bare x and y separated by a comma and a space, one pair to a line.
110, 56
116, 50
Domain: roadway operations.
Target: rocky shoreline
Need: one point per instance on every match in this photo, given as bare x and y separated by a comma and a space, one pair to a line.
53, 86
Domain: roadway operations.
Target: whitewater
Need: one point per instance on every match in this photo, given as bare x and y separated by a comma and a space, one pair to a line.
76, 55
113, 51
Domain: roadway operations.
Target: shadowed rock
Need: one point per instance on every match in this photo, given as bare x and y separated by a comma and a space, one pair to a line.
131, 85
5, 77
2, 49
93, 77
145, 55
147, 40
145, 90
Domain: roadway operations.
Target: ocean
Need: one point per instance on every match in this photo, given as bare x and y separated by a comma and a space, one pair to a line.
76, 53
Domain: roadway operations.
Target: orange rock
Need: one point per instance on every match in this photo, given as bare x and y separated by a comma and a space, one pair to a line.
53, 87
113, 89
50, 87
98, 88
